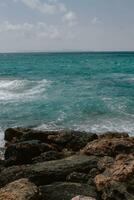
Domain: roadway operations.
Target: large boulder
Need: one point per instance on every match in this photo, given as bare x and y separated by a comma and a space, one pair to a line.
50, 171
110, 146
19, 190
117, 181
66, 191
74, 140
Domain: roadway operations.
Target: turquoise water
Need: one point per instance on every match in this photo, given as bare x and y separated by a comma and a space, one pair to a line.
83, 91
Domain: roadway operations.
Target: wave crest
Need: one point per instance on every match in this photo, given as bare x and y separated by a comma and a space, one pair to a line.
12, 90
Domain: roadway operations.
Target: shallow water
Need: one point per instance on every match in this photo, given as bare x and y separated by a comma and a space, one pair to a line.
83, 91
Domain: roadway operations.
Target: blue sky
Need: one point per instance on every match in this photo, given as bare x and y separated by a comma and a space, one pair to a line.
56, 25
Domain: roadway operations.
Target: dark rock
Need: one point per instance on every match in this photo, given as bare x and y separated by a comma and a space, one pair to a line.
66, 191
50, 171
47, 156
74, 140
23, 152
77, 177
15, 133
20, 190
93, 172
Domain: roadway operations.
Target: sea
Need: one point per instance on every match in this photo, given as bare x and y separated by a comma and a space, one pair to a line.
86, 91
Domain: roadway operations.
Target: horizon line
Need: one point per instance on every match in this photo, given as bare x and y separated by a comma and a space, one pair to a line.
69, 51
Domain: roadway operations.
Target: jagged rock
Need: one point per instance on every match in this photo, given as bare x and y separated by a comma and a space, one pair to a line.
19, 190
74, 140
117, 181
50, 171
23, 152
77, 177
110, 146
66, 191
83, 198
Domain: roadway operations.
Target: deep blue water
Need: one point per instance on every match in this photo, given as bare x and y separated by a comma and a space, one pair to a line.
86, 91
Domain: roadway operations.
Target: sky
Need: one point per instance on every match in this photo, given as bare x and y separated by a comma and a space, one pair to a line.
66, 25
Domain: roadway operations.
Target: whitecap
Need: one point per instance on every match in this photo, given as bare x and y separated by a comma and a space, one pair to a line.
12, 90
104, 125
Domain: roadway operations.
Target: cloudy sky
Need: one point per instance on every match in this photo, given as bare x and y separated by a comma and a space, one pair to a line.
60, 25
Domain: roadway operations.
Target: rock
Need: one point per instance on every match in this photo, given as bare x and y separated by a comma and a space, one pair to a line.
110, 146
105, 162
74, 140
50, 171
117, 181
19, 190
77, 177
83, 198
47, 156
93, 172
66, 191
110, 135
14, 134
23, 152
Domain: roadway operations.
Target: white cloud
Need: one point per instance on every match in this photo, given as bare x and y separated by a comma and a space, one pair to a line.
70, 18
96, 20
38, 30
50, 7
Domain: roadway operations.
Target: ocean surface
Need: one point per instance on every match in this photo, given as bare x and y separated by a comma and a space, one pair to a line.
83, 91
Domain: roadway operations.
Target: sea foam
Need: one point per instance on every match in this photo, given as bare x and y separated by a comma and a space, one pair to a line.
13, 90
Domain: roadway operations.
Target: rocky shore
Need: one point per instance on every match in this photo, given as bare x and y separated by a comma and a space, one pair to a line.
66, 165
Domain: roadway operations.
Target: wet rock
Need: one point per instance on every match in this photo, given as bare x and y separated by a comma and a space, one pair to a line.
117, 181
74, 140
50, 171
23, 152
47, 156
66, 191
110, 146
19, 190
83, 198
77, 177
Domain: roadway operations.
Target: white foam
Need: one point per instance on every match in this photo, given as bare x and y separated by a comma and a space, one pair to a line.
11, 84
12, 90
105, 125
1, 138
49, 126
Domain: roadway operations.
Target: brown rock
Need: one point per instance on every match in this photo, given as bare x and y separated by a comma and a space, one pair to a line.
117, 181
110, 135
19, 190
110, 146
